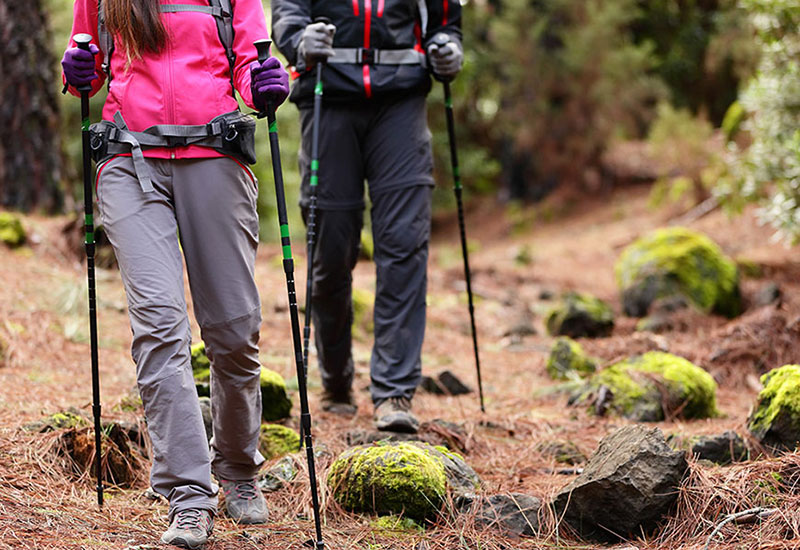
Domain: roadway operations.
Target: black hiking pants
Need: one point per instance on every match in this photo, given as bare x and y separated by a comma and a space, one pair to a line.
388, 144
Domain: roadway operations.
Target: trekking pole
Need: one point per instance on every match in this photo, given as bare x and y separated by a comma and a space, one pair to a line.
83, 40
312, 212
440, 40
288, 267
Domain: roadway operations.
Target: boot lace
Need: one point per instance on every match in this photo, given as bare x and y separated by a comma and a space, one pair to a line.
189, 519
246, 490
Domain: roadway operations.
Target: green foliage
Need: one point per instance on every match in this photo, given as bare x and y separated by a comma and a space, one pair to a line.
276, 441
200, 360
768, 171
678, 261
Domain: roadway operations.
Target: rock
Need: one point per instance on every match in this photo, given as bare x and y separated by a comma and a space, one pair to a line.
200, 360
628, 485
71, 418
279, 474
568, 361
722, 449
546, 294
564, 452
205, 409
395, 525
446, 383
678, 261
11, 231
580, 315
407, 478
656, 322
775, 419
276, 440
521, 327
516, 515
652, 387
767, 295
275, 403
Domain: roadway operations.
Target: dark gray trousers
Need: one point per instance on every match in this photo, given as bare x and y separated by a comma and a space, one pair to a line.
386, 143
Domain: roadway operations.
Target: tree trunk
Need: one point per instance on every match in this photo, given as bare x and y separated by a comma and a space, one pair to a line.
30, 143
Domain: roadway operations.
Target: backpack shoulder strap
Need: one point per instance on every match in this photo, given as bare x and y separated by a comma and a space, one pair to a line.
225, 29
104, 39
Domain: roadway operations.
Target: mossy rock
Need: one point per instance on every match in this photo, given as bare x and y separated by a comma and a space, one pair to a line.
580, 315
202, 382
775, 420
68, 419
363, 303
395, 526
392, 478
11, 231
366, 249
275, 402
568, 361
678, 261
200, 360
276, 441
642, 387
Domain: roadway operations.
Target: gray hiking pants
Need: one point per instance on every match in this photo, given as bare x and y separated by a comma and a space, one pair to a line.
207, 209
387, 143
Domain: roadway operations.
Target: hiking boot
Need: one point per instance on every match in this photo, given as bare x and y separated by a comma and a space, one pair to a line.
340, 404
394, 415
190, 528
244, 502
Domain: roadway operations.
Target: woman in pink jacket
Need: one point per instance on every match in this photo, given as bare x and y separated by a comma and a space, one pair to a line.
172, 152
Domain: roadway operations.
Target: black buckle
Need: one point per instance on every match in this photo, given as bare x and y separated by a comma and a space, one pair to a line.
176, 141
366, 56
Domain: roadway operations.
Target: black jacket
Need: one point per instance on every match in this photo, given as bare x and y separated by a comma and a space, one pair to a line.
370, 24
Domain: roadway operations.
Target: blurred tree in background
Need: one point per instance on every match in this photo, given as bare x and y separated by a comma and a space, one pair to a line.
30, 142
768, 168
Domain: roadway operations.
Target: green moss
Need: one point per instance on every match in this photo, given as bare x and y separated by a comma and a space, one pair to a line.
275, 403
387, 525
642, 385
11, 231
568, 361
776, 417
580, 315
58, 421
399, 478
276, 441
363, 302
200, 361
678, 261
367, 246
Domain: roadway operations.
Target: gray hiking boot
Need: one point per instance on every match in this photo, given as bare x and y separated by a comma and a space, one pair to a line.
340, 404
244, 502
189, 528
394, 415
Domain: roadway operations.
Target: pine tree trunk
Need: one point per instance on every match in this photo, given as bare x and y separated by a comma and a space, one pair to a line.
30, 143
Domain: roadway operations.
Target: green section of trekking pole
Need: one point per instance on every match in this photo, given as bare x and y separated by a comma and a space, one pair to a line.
262, 46
311, 221
83, 40
448, 102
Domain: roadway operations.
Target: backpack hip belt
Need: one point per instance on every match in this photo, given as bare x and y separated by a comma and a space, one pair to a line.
232, 134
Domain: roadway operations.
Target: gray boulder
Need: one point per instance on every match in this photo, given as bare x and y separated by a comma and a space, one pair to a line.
627, 486
515, 515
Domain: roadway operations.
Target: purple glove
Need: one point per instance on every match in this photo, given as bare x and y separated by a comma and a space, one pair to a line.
269, 83
78, 65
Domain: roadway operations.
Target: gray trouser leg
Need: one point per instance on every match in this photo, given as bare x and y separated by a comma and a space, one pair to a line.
143, 228
215, 203
401, 230
335, 256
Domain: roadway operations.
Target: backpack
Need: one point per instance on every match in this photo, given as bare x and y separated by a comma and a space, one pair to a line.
221, 10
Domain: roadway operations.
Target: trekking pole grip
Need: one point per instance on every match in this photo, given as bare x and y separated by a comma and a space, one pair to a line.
441, 39
82, 40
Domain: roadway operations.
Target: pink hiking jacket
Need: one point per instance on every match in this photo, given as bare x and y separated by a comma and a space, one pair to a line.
188, 82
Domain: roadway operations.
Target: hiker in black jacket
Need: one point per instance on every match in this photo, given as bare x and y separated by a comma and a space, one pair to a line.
373, 127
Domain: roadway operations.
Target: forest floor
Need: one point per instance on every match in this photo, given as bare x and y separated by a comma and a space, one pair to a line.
518, 261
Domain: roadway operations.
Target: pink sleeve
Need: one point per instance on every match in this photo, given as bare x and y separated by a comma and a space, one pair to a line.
84, 20
249, 25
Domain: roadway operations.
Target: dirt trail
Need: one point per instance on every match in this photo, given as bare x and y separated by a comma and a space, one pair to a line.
43, 319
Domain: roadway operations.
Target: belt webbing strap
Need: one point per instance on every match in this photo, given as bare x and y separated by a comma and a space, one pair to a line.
139, 165
365, 56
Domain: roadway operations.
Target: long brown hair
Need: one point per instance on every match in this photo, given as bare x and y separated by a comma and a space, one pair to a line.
138, 25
